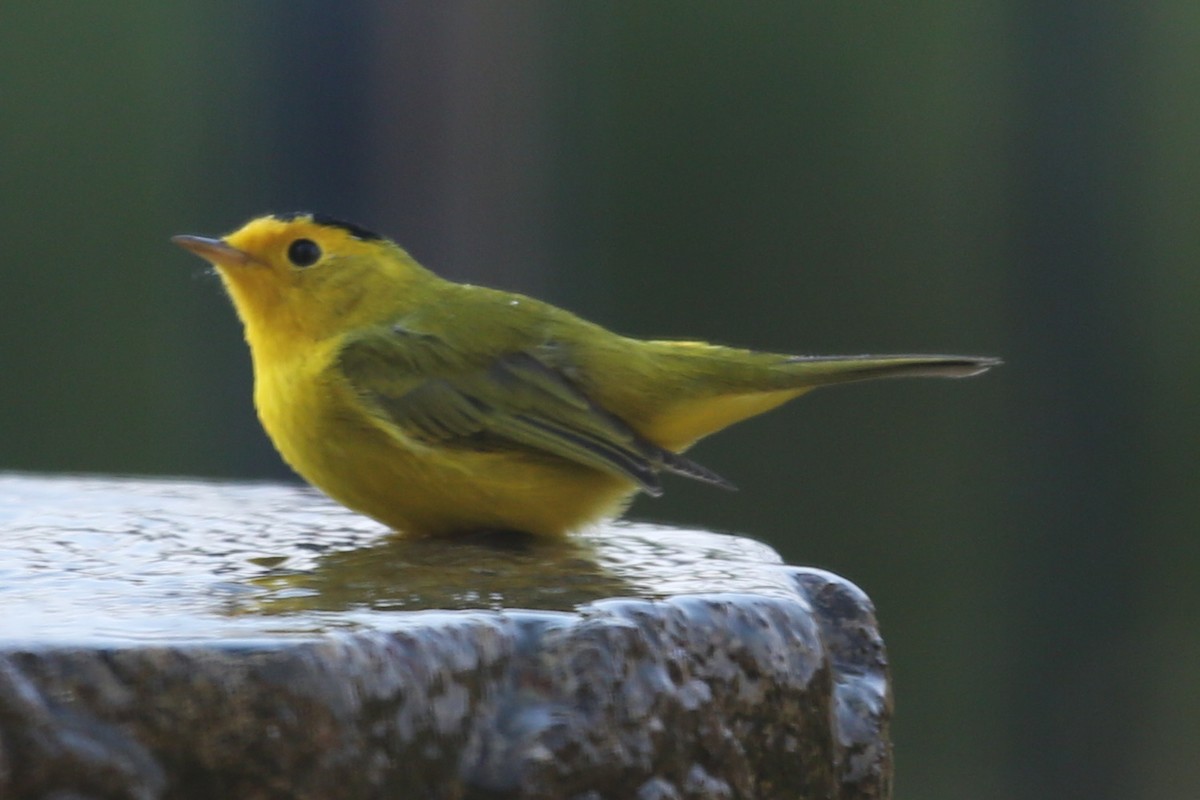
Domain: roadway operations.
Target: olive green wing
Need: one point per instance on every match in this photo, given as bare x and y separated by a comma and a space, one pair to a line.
522, 399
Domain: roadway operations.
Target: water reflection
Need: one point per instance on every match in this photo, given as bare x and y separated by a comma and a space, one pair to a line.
100, 560
399, 574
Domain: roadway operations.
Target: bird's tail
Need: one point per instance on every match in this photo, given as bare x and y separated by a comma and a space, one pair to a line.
812, 371
719, 386
732, 370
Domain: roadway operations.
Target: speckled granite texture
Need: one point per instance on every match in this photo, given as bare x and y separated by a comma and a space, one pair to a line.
203, 640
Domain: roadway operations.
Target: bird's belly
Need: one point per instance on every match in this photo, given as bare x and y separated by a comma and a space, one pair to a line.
430, 488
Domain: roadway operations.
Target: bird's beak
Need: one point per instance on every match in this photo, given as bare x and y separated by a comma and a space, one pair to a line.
214, 251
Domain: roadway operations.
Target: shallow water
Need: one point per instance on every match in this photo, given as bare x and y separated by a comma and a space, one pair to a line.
115, 561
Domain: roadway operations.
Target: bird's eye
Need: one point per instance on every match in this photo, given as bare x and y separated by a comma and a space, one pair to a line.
304, 252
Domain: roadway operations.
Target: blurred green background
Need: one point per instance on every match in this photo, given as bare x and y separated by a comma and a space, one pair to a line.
1017, 179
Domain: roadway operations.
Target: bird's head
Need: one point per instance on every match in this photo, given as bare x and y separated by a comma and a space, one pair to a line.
307, 276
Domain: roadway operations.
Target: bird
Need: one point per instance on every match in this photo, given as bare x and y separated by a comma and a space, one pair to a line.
441, 408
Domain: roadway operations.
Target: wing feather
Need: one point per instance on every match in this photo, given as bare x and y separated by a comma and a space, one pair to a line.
431, 391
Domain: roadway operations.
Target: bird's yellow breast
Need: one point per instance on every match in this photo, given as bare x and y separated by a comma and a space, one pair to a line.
332, 438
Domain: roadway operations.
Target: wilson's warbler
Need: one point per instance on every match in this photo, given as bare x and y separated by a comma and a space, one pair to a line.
438, 407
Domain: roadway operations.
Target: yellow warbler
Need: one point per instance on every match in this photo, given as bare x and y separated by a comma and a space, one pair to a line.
437, 407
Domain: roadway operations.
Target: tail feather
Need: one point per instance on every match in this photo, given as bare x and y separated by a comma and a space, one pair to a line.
720, 386
821, 370
681, 465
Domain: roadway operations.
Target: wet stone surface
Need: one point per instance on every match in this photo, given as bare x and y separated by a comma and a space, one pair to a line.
172, 639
